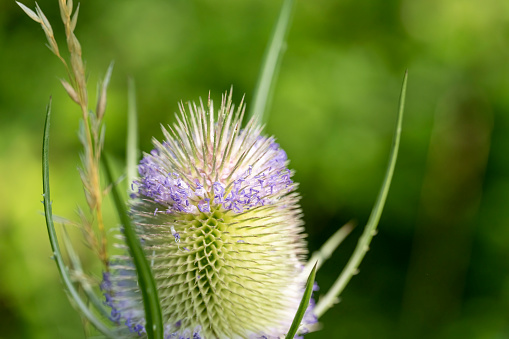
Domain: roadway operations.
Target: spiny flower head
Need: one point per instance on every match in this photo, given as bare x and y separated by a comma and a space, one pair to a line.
218, 218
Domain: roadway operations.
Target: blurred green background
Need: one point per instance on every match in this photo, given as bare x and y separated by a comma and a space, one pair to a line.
439, 266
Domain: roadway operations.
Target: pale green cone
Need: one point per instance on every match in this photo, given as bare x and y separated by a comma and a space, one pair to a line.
220, 223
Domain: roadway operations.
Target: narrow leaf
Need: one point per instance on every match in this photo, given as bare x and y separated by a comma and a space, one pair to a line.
304, 303
29, 12
57, 255
153, 314
272, 60
132, 134
351, 267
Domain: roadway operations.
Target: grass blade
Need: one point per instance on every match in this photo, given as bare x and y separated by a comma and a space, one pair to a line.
132, 135
57, 254
271, 62
303, 306
370, 229
153, 314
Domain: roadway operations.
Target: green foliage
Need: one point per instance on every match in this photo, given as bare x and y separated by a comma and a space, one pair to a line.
437, 268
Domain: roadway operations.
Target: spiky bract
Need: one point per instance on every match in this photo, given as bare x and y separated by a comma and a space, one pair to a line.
218, 218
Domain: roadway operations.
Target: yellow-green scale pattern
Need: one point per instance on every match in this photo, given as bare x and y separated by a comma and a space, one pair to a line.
232, 274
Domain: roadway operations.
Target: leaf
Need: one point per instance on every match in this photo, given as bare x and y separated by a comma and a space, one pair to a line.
304, 303
351, 267
271, 62
153, 314
57, 255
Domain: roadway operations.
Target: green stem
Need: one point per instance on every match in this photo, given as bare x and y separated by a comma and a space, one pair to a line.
272, 60
370, 230
132, 134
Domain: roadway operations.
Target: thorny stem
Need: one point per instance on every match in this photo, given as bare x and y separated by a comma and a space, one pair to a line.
352, 267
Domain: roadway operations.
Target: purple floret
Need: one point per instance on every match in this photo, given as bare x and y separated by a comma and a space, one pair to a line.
247, 191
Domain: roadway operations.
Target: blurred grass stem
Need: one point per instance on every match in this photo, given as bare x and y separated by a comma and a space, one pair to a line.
132, 133
271, 62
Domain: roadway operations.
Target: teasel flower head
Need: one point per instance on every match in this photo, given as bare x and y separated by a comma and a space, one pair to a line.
217, 215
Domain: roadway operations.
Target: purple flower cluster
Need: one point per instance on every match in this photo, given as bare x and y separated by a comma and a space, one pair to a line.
256, 186
116, 307
162, 187
249, 191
